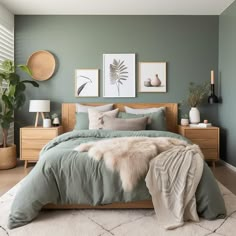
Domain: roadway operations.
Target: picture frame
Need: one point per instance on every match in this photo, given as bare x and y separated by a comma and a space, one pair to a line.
86, 83
152, 77
119, 75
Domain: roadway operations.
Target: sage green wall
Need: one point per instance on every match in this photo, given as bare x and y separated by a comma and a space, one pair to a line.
227, 70
189, 45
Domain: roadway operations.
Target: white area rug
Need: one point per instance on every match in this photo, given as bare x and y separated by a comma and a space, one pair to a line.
113, 222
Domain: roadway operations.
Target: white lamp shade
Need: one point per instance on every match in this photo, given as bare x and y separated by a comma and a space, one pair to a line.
39, 106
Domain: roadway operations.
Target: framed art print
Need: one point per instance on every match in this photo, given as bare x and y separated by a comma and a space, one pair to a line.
86, 83
119, 75
152, 77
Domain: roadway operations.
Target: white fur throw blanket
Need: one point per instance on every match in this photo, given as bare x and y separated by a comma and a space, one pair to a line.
172, 180
129, 156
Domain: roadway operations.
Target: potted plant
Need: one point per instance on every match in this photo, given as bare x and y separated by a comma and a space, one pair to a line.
55, 119
12, 99
184, 120
197, 92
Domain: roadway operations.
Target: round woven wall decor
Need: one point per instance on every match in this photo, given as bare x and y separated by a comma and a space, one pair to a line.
42, 65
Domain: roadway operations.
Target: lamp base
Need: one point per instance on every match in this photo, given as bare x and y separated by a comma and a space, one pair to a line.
37, 118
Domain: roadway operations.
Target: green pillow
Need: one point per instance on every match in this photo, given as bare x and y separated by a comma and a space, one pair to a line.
82, 121
157, 119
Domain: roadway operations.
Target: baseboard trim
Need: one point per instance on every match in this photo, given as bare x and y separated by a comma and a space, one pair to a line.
231, 167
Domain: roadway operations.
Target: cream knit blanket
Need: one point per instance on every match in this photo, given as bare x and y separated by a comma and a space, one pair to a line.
172, 180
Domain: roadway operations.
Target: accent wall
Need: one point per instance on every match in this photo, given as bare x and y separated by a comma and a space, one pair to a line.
227, 70
189, 45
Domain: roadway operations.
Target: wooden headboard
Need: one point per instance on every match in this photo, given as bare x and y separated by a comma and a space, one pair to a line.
69, 109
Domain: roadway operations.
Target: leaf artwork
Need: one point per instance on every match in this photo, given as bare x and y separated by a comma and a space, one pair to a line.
118, 73
81, 87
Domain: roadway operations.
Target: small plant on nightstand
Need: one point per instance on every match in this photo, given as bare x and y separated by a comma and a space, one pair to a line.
12, 98
184, 120
55, 120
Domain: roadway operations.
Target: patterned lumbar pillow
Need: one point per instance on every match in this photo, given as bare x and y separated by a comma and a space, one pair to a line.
95, 117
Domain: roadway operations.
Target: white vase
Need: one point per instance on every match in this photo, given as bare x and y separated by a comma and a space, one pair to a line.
194, 115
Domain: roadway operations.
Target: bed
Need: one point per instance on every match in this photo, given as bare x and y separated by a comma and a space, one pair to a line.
55, 183
68, 123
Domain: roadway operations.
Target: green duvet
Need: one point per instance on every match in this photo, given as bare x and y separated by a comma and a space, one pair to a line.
65, 176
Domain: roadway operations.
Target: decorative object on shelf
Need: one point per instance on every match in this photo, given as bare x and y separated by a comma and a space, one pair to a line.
119, 75
212, 98
55, 120
184, 120
47, 123
12, 98
152, 77
194, 115
42, 64
197, 92
39, 106
86, 83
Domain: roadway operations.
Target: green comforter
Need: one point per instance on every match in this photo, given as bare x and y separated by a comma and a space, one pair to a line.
65, 176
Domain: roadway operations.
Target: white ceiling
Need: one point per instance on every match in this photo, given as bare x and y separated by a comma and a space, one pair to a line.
116, 7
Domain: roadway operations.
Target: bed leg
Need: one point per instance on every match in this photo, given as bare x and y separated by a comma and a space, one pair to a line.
26, 164
213, 164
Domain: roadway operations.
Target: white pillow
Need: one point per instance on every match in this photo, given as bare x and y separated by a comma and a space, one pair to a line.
84, 108
95, 117
143, 111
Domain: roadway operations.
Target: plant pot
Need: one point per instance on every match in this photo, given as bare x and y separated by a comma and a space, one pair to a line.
8, 157
194, 115
184, 121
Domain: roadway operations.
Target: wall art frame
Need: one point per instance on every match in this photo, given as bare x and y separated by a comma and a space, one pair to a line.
86, 83
119, 75
152, 77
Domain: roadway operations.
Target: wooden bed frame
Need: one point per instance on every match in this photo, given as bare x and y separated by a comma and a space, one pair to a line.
68, 123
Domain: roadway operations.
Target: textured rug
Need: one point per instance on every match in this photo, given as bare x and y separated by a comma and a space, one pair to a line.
113, 222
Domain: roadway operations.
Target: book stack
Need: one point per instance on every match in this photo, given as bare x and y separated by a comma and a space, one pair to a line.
201, 125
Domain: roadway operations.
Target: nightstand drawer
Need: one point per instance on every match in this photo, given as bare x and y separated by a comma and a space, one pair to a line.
38, 134
203, 134
34, 144
32, 154
206, 143
206, 138
210, 154
33, 139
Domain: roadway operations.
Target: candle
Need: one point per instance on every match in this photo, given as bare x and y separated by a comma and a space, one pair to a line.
212, 76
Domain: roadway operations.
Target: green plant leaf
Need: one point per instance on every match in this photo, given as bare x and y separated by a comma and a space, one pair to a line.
26, 69
20, 100
7, 66
12, 90
35, 84
21, 87
7, 101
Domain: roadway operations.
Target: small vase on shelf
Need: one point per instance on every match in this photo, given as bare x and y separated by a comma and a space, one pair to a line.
194, 115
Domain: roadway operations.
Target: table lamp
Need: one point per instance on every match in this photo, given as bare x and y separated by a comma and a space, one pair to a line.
39, 106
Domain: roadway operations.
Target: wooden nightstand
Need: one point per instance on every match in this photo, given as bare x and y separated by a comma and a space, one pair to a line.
32, 140
206, 138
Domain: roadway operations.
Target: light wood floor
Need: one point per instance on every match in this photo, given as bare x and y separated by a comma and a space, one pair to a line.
9, 178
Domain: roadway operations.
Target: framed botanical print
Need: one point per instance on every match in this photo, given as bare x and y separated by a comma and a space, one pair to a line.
86, 83
119, 75
152, 77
